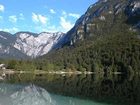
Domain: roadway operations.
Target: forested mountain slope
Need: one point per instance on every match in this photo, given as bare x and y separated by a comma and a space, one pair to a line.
105, 38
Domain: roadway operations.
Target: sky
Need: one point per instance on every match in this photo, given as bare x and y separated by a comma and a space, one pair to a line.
41, 15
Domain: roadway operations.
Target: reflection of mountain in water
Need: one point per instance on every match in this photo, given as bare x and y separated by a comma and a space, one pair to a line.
108, 88
111, 88
33, 95
28, 95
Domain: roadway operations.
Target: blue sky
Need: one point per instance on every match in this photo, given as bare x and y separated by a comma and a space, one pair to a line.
41, 15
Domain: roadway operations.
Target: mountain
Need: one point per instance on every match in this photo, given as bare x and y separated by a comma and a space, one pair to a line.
36, 44
27, 44
27, 94
103, 16
105, 39
6, 46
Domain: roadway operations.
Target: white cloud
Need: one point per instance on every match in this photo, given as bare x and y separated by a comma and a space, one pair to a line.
42, 19
65, 24
35, 18
74, 15
13, 18
64, 14
48, 28
52, 11
38, 18
10, 30
21, 16
1, 8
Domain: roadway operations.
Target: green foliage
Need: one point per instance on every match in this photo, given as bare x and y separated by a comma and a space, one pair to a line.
11, 64
114, 51
21, 65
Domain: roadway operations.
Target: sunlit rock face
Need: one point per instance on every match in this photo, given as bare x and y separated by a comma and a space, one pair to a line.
103, 16
28, 95
6, 46
38, 44
29, 45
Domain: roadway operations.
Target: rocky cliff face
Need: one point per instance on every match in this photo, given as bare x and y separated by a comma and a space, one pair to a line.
36, 45
7, 49
28, 44
104, 15
133, 13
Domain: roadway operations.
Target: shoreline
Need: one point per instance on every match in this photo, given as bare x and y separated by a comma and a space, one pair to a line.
10, 71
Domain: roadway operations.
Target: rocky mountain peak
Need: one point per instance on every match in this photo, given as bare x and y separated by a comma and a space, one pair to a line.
38, 44
28, 43
104, 15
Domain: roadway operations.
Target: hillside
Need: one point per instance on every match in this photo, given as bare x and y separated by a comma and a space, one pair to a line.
105, 38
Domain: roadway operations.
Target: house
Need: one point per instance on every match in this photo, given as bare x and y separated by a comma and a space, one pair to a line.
2, 66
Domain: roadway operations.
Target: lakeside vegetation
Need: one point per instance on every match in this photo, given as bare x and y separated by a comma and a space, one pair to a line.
117, 52
107, 46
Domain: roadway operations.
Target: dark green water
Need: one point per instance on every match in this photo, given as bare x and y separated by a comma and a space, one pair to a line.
52, 89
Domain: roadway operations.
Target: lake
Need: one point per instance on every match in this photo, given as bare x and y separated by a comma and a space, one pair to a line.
70, 89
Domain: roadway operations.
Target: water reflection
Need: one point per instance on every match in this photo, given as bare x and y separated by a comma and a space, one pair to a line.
34, 95
114, 89
24, 95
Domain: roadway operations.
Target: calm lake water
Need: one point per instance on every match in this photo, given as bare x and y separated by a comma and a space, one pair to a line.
53, 89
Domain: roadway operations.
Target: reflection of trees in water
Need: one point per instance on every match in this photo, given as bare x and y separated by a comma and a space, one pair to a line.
106, 87
95, 86
99, 86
